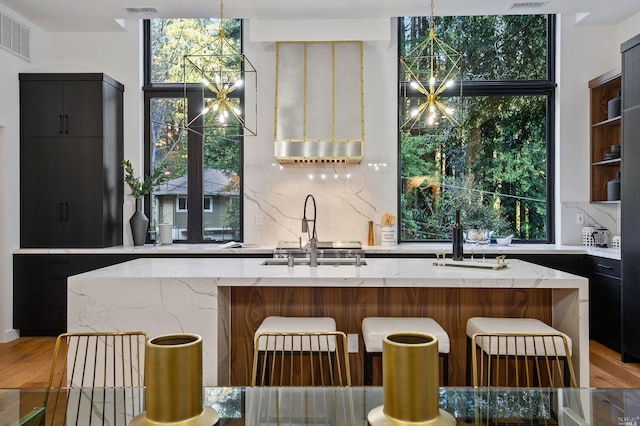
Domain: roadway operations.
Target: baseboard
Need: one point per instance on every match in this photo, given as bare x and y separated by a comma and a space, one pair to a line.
9, 335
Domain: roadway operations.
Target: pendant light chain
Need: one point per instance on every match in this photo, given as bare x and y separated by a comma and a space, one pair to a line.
432, 36
432, 19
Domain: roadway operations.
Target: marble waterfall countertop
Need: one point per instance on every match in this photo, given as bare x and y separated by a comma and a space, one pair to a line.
403, 249
378, 272
169, 295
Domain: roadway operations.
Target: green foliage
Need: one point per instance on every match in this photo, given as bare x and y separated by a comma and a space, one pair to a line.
141, 187
508, 47
494, 167
186, 50
172, 39
232, 218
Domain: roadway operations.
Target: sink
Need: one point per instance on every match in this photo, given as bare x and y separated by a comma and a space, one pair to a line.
304, 261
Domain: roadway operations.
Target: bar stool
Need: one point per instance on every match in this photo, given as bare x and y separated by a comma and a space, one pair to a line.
279, 324
375, 328
513, 338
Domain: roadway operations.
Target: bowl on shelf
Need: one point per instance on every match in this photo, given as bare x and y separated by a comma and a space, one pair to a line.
504, 241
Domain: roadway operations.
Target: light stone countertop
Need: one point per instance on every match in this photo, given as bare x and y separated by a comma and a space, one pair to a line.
163, 295
378, 272
404, 249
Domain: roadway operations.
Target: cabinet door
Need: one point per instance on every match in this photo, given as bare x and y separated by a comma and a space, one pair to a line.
83, 110
61, 108
84, 191
630, 210
41, 109
605, 310
40, 288
42, 208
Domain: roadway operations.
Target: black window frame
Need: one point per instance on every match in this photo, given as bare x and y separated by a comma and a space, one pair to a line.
195, 167
499, 88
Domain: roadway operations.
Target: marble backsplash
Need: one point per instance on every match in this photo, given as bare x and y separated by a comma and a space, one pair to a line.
598, 214
350, 195
347, 197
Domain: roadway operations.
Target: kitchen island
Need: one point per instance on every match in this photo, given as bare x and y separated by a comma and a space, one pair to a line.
224, 300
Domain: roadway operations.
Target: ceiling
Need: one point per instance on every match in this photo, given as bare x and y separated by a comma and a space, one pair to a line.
103, 15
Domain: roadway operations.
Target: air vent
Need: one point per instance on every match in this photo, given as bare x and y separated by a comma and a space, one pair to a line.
528, 5
141, 10
14, 37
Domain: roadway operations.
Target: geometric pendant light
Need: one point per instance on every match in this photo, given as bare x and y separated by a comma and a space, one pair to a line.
433, 95
218, 72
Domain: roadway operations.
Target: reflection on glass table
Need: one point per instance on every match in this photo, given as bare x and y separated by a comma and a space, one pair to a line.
344, 406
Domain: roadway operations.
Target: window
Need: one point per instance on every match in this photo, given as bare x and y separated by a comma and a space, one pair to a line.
497, 166
203, 165
181, 205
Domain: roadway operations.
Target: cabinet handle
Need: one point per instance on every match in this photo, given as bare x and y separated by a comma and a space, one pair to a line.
60, 210
66, 212
599, 265
66, 124
60, 124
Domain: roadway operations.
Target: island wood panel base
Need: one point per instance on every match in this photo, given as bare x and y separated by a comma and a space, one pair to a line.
451, 307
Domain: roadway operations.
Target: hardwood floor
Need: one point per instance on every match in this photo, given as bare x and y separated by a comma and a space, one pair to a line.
25, 362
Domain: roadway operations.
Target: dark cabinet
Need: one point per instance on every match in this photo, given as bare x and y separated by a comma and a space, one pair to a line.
40, 289
40, 286
71, 108
604, 302
630, 208
71, 152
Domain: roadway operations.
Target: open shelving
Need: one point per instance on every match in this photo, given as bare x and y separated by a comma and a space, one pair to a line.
605, 132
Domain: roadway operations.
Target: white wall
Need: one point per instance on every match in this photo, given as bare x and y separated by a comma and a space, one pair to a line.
585, 52
629, 28
345, 204
11, 66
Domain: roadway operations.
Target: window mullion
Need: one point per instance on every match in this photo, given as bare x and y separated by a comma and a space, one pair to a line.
195, 169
